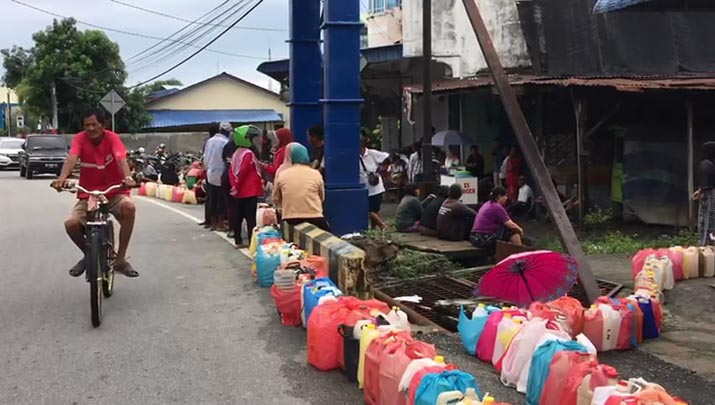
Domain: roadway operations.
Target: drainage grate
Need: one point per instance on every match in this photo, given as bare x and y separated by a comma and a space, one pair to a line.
431, 289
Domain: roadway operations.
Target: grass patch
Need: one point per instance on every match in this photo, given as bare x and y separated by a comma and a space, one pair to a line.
612, 242
410, 264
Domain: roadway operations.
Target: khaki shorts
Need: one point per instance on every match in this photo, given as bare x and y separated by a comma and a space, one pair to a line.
115, 208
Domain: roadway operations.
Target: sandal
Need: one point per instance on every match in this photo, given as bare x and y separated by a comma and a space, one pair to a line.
126, 269
78, 269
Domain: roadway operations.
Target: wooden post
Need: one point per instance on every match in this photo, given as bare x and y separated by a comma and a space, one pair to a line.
691, 164
531, 152
580, 107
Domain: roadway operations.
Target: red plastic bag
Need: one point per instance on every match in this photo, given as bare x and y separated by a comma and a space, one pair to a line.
373, 362
142, 189
572, 309
288, 305
677, 259
417, 379
317, 264
395, 359
325, 345
626, 334
485, 346
562, 367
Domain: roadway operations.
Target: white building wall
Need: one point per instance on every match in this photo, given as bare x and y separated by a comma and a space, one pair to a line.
384, 28
454, 41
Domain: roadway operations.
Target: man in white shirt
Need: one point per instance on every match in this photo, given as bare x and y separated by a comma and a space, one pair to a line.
214, 164
370, 161
524, 201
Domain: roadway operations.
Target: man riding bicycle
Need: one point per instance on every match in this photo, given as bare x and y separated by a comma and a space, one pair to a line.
103, 163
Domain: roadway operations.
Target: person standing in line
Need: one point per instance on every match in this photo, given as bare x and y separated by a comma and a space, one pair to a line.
215, 166
316, 138
300, 190
213, 129
285, 136
228, 150
370, 161
246, 185
705, 195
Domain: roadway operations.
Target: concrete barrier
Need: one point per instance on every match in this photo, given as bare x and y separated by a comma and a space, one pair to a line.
346, 262
174, 141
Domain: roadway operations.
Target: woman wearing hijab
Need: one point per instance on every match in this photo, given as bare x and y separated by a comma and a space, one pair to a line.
299, 190
706, 194
285, 136
246, 184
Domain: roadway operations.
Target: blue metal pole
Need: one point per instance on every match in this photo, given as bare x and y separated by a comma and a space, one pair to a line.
346, 198
305, 67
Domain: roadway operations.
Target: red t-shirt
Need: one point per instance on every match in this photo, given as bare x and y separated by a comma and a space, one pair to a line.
99, 164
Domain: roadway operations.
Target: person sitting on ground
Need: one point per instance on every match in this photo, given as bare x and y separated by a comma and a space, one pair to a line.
493, 223
409, 211
299, 190
431, 206
524, 201
454, 218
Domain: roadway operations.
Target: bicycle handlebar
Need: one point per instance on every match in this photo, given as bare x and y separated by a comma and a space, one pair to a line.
75, 187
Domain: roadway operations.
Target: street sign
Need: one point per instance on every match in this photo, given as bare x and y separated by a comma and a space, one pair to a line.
113, 102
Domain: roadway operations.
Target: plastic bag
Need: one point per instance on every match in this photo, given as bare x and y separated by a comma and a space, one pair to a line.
508, 327
470, 329
432, 385
265, 215
395, 360
540, 365
572, 309
189, 198
288, 305
416, 380
142, 189
676, 257
374, 360
487, 341
639, 259
517, 360
562, 367
325, 345
266, 263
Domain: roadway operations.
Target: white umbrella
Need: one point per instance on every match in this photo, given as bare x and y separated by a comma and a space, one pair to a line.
448, 138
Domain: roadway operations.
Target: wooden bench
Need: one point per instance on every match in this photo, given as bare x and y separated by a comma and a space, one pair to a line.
429, 244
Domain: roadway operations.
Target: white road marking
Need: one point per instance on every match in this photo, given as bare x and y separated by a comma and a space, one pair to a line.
192, 218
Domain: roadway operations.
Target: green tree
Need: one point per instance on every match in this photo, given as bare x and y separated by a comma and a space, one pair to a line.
82, 65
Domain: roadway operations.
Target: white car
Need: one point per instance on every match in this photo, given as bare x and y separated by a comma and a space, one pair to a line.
9, 151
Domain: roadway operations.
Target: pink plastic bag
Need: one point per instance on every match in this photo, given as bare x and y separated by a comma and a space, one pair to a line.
562, 366
485, 346
677, 259
638, 261
395, 359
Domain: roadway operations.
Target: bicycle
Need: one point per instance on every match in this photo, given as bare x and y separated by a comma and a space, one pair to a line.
100, 249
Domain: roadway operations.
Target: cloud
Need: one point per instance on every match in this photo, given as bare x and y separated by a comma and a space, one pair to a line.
18, 23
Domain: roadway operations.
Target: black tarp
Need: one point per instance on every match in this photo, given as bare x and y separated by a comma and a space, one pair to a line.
565, 38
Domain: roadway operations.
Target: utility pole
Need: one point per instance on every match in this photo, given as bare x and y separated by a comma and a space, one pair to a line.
53, 101
427, 170
270, 81
9, 114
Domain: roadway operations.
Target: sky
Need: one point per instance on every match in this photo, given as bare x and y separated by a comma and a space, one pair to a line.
18, 23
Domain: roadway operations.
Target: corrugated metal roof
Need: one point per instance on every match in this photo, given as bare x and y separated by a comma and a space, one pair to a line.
605, 6
181, 118
618, 83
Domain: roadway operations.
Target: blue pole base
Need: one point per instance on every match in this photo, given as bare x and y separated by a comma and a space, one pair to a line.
346, 210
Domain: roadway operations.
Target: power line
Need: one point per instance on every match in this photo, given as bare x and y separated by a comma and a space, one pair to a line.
134, 33
194, 22
203, 47
193, 37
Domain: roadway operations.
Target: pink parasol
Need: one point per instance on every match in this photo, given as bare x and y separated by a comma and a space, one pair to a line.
531, 276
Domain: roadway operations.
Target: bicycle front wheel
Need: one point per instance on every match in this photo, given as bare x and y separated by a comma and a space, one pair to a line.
94, 276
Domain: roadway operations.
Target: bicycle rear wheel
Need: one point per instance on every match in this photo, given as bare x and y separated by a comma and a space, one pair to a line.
94, 276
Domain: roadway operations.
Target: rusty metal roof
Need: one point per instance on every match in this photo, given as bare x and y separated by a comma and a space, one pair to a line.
634, 84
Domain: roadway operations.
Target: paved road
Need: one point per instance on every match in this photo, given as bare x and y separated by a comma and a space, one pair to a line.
192, 329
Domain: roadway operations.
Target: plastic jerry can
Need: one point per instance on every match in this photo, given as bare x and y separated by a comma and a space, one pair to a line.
506, 330
691, 262
369, 333
611, 326
398, 319
707, 261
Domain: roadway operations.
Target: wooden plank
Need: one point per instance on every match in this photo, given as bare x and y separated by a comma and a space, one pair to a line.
530, 150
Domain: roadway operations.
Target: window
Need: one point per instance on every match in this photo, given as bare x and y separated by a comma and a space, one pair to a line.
379, 6
12, 144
